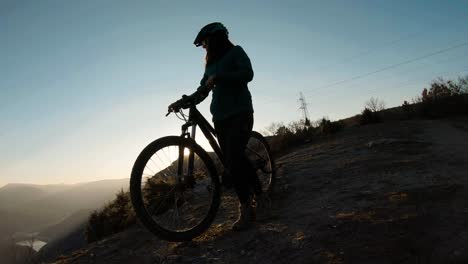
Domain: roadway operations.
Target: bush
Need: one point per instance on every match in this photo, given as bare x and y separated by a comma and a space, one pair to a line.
375, 104
369, 117
408, 113
445, 106
294, 134
115, 217
297, 133
283, 138
442, 99
441, 88
445, 98
326, 127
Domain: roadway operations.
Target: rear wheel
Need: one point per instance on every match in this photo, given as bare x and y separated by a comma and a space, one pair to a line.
174, 200
258, 152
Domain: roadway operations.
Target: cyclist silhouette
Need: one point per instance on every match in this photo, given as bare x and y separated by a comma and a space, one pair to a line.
227, 72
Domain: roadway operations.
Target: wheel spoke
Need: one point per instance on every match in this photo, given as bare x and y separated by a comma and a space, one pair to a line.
174, 207
260, 158
163, 171
163, 201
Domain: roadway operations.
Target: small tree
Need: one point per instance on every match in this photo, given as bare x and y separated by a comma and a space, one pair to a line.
297, 126
369, 117
463, 84
440, 88
113, 218
406, 109
272, 129
283, 131
328, 127
374, 104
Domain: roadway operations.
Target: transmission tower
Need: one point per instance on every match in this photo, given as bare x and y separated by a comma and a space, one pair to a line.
303, 108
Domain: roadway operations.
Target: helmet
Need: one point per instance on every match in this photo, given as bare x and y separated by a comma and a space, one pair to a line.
208, 30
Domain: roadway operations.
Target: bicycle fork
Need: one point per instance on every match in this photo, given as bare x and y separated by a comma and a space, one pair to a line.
189, 179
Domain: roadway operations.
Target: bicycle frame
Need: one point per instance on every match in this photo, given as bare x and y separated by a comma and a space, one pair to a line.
196, 118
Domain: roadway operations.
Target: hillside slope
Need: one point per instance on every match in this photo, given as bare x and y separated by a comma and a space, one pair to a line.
388, 193
30, 208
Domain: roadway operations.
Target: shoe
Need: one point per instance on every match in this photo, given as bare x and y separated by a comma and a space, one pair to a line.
246, 218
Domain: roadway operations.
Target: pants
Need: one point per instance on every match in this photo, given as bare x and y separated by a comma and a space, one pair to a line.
233, 135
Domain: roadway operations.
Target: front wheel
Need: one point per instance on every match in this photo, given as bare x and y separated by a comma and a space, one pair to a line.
175, 188
258, 152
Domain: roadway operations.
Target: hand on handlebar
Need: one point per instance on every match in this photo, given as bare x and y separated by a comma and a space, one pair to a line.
189, 100
177, 105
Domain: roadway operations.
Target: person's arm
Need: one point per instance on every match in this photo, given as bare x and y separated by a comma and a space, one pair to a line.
202, 92
243, 72
203, 80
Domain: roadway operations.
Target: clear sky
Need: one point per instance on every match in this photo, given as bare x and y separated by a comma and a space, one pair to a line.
84, 85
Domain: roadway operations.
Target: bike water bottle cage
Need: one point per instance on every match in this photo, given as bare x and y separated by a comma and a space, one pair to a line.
209, 30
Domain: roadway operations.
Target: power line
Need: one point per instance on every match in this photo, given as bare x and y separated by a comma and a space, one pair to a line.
383, 45
392, 66
418, 68
402, 84
385, 68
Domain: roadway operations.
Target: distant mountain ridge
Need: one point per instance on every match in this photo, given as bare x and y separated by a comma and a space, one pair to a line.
33, 207
12, 195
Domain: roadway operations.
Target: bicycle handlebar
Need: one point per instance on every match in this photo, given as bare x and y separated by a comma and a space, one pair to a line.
189, 100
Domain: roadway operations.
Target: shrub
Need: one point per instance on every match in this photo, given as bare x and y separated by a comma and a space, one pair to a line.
292, 135
115, 217
283, 138
375, 104
441, 88
445, 106
408, 113
300, 132
369, 117
327, 127
445, 98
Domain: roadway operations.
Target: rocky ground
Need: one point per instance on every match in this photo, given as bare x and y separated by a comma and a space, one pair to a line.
394, 192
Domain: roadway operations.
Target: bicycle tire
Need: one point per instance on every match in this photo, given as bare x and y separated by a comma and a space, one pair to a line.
137, 195
268, 183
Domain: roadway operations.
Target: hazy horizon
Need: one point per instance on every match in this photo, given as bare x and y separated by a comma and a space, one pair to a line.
61, 183
85, 84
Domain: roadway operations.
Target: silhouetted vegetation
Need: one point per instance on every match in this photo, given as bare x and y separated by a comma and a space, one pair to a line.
297, 133
406, 109
113, 218
371, 113
444, 98
118, 215
369, 117
375, 104
327, 127
285, 136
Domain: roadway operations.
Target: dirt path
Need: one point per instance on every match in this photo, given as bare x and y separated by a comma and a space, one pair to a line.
387, 193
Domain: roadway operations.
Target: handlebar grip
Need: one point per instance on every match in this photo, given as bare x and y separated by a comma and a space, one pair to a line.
189, 100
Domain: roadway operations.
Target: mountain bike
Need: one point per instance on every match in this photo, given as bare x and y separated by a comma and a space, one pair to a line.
175, 184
